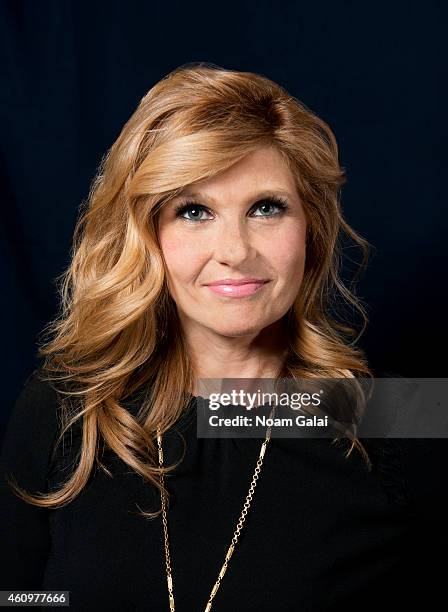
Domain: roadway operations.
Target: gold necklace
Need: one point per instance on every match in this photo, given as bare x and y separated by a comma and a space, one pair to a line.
237, 530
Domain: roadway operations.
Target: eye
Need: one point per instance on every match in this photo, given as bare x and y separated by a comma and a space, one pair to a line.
197, 209
276, 202
193, 207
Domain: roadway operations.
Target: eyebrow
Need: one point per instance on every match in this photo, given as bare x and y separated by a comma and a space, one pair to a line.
265, 193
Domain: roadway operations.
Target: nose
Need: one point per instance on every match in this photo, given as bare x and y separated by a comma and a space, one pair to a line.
232, 243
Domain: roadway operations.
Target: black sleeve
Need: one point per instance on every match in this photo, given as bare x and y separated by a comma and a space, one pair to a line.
26, 452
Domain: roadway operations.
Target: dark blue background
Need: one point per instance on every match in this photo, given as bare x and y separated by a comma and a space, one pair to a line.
73, 73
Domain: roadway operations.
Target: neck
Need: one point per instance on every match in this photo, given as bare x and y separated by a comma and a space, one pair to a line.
259, 355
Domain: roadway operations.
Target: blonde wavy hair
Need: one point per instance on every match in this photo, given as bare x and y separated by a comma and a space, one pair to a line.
118, 331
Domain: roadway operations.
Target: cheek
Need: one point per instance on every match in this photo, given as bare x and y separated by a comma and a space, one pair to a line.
288, 254
181, 258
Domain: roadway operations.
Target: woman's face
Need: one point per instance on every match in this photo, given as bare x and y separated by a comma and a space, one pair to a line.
234, 231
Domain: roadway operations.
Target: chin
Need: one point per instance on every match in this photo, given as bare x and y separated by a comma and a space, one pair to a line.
237, 330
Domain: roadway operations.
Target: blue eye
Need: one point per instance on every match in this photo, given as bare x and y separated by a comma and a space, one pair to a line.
192, 207
196, 209
272, 202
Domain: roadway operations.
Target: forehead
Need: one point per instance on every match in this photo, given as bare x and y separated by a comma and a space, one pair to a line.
261, 173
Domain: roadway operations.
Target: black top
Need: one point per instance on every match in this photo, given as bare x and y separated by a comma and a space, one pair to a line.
322, 533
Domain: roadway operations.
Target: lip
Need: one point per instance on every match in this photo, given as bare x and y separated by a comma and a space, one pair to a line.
237, 290
237, 281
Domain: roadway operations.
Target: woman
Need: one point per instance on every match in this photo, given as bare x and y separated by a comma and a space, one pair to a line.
219, 177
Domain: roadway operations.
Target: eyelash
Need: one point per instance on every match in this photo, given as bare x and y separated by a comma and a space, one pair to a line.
273, 200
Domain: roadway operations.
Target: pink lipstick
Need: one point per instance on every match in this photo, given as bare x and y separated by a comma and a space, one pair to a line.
237, 290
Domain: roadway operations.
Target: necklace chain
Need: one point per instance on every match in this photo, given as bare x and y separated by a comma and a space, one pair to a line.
236, 534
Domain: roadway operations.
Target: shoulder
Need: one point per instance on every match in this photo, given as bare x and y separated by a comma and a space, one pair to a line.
413, 465
412, 471
424, 461
31, 430
36, 405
